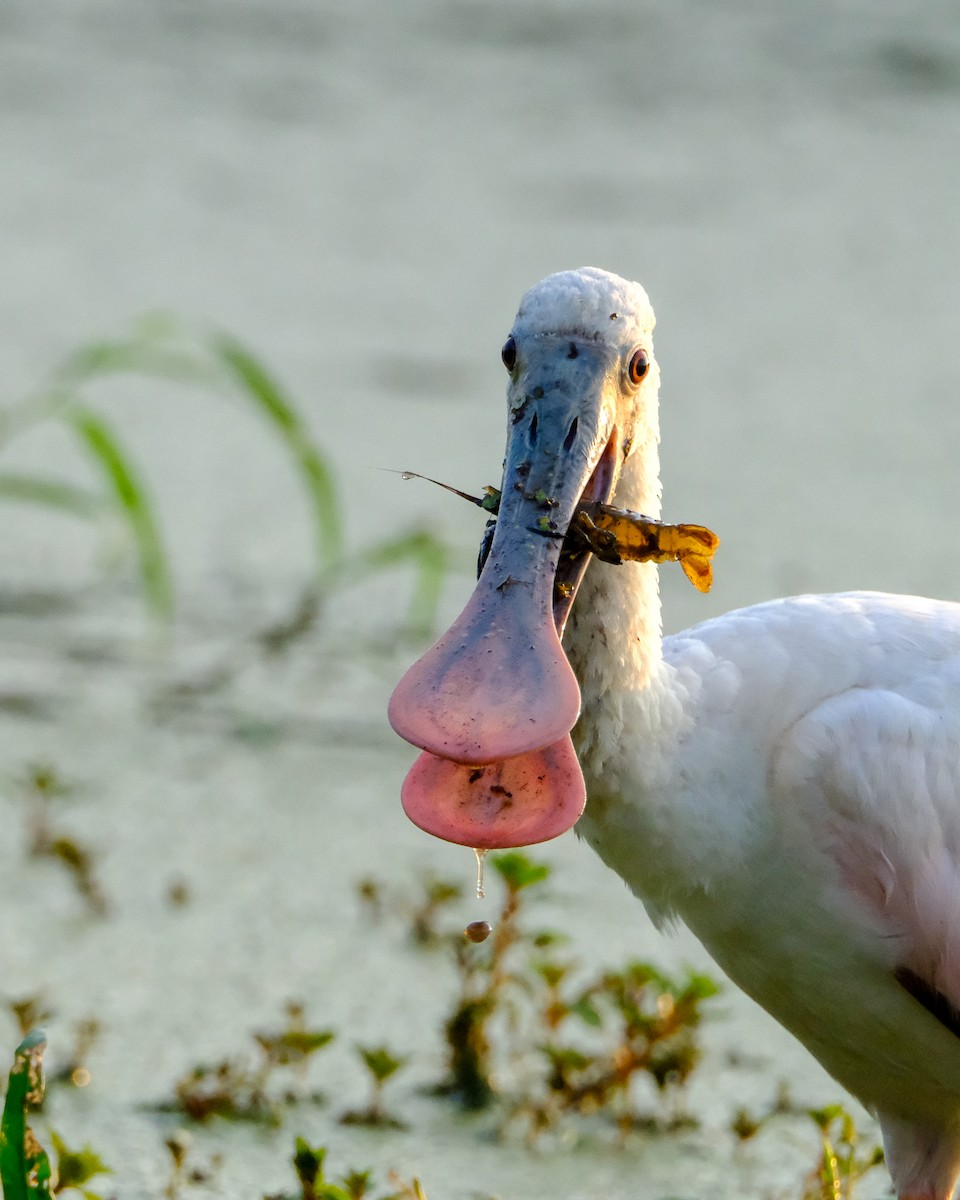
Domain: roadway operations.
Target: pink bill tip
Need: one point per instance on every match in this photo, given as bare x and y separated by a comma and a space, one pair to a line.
519, 801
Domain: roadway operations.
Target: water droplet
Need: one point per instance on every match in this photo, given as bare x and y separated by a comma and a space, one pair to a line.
408, 475
478, 931
481, 855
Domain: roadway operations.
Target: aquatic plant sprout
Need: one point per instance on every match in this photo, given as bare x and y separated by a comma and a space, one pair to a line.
161, 348
24, 1166
309, 1164
25, 1170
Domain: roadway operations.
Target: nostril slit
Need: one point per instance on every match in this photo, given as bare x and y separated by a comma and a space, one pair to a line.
533, 429
571, 435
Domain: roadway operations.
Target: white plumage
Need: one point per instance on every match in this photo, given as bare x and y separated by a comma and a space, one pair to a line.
785, 779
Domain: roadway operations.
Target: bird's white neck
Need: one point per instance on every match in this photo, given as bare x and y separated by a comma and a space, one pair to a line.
628, 738
668, 842
614, 635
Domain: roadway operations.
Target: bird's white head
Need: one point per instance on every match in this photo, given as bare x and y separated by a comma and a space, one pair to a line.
582, 400
586, 303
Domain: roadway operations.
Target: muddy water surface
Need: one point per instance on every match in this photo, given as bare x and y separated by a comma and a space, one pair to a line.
362, 192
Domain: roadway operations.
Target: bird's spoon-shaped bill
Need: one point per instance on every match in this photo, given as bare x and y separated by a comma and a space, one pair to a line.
516, 802
497, 684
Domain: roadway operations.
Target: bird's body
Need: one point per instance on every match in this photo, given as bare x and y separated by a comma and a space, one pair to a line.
785, 779
807, 831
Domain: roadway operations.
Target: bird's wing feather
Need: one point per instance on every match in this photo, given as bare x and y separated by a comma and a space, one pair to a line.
871, 779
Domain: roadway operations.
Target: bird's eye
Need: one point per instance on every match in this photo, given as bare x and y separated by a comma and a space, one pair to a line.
509, 353
639, 365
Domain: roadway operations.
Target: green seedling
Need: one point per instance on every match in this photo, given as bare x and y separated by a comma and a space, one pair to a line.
126, 489
382, 1066
246, 1088
744, 1125
488, 977
845, 1156
293, 1045
309, 1165
647, 1022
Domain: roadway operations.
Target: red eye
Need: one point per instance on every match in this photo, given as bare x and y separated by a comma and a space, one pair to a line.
509, 353
639, 365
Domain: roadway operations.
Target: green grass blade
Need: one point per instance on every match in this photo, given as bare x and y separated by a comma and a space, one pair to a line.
30, 489
147, 352
152, 351
263, 390
133, 503
24, 1166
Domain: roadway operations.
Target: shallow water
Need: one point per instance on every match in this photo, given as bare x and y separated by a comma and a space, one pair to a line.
362, 193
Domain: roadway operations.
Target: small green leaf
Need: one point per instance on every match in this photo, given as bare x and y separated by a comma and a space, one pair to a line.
308, 1162
552, 973
357, 1183
699, 987
546, 939
76, 1167
587, 1013
822, 1117
141, 355
293, 1045
380, 1062
518, 871
442, 891
265, 392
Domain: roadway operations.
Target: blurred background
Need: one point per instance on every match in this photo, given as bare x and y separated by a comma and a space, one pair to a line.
359, 194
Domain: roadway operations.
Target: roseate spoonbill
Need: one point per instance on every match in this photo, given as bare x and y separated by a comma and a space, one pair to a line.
785, 779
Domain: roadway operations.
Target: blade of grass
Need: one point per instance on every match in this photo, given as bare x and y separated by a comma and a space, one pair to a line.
24, 1166
260, 387
142, 356
159, 345
133, 502
30, 489
151, 352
